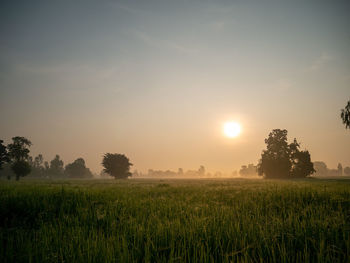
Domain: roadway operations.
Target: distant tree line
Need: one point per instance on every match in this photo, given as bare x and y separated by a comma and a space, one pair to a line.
248, 170
280, 160
180, 173
201, 172
322, 170
15, 161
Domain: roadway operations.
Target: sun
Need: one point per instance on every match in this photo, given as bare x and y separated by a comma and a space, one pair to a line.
232, 129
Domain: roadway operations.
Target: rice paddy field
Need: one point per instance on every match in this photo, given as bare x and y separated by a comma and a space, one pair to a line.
175, 221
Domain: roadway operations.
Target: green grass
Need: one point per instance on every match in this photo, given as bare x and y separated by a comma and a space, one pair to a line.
175, 221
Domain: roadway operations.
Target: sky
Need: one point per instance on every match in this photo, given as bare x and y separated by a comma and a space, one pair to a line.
156, 80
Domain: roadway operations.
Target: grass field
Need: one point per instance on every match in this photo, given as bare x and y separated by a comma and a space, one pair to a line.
175, 221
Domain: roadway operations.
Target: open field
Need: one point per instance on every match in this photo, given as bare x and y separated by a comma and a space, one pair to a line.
175, 221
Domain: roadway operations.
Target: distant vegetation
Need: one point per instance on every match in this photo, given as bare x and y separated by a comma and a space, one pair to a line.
280, 160
322, 170
180, 173
248, 170
15, 161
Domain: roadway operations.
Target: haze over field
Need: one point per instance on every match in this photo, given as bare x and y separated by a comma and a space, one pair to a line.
157, 80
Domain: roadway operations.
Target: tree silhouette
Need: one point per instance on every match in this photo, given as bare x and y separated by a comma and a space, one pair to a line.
302, 165
77, 169
4, 158
38, 169
116, 165
21, 168
275, 161
18, 152
340, 169
345, 115
201, 170
19, 148
38, 161
56, 167
283, 160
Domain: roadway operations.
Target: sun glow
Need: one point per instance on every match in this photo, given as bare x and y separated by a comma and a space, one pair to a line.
232, 129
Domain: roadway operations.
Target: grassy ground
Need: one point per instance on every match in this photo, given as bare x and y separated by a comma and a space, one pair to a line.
175, 221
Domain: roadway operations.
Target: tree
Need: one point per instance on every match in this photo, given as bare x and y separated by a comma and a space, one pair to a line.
321, 168
56, 167
18, 152
275, 161
340, 169
38, 169
283, 160
46, 166
77, 169
7, 171
19, 149
38, 161
345, 115
249, 170
21, 168
301, 164
201, 171
116, 165
4, 158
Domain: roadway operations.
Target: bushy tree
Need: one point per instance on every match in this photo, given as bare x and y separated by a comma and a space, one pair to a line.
18, 152
301, 165
19, 148
116, 165
38, 169
56, 167
21, 168
345, 115
38, 160
283, 160
77, 169
275, 161
4, 158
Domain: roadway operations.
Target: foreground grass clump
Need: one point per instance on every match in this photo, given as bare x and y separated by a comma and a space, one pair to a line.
182, 221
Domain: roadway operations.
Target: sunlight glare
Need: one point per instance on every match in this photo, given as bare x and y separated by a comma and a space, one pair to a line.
232, 129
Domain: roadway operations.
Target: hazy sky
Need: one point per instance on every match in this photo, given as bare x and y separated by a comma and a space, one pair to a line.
156, 79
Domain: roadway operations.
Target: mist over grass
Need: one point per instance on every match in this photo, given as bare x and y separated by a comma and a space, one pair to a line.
175, 220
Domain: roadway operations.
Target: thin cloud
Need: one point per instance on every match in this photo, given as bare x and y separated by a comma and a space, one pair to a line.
319, 63
160, 43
